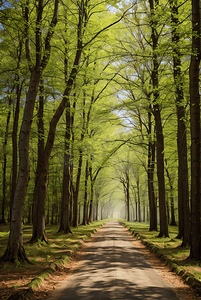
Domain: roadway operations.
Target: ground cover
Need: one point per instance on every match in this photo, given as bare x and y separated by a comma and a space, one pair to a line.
170, 250
45, 257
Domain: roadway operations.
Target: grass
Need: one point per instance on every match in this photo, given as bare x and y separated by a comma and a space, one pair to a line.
46, 256
168, 248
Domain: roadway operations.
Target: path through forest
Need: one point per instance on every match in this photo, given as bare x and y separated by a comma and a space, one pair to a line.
114, 267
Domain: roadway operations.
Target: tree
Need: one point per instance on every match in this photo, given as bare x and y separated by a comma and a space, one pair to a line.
15, 250
5, 158
158, 122
183, 190
82, 19
195, 251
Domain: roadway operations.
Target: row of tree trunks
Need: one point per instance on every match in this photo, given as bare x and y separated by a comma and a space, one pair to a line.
15, 250
43, 176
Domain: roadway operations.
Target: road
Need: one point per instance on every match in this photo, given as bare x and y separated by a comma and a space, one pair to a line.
114, 268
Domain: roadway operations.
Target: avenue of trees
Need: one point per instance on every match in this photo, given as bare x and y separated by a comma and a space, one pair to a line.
100, 112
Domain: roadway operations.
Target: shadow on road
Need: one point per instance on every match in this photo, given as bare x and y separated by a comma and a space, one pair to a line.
113, 268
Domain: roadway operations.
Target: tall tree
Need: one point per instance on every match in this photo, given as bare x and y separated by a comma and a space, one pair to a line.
5, 159
158, 122
15, 250
183, 187
83, 16
195, 251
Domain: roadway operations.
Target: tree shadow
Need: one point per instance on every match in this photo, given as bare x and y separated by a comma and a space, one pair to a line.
114, 268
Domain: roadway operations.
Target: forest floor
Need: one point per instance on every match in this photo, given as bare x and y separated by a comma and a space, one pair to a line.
73, 248
55, 256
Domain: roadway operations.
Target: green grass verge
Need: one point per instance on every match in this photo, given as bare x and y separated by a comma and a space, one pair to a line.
46, 257
169, 249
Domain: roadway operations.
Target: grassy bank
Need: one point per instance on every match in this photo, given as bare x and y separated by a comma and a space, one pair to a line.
45, 257
169, 250
59, 244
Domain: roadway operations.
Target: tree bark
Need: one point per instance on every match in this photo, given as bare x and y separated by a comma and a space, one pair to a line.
85, 195
159, 128
92, 195
14, 144
15, 250
183, 189
127, 195
150, 173
96, 210
76, 192
160, 173
195, 250
173, 222
138, 195
43, 176
3, 220
36, 205
65, 204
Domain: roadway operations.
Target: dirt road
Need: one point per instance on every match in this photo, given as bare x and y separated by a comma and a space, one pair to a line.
114, 268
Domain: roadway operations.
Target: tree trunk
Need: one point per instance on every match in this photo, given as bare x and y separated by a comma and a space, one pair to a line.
160, 173
79, 210
127, 195
138, 196
76, 193
85, 195
96, 210
159, 128
150, 173
30, 214
92, 195
168, 207
3, 221
65, 203
42, 183
40, 125
14, 145
15, 250
183, 189
48, 211
195, 251
173, 222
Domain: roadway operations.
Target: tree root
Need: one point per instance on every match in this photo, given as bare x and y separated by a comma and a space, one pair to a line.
22, 295
9, 256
